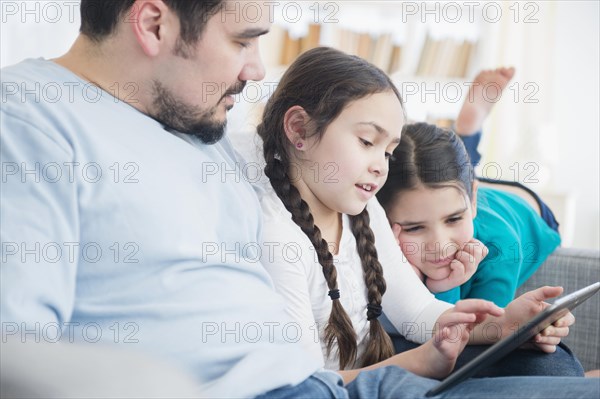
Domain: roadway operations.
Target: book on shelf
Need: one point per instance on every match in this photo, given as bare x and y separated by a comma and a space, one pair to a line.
349, 41
455, 59
466, 55
290, 49
383, 51
424, 56
440, 60
273, 41
396, 59
444, 58
444, 123
430, 58
365, 46
311, 40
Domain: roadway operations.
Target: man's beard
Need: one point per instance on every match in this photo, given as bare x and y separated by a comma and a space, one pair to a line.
179, 116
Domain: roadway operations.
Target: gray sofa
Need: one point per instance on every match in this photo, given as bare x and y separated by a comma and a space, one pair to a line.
573, 269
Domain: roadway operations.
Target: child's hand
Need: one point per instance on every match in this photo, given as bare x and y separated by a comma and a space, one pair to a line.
462, 267
472, 254
453, 329
521, 309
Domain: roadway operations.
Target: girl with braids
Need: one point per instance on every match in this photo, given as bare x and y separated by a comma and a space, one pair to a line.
435, 204
328, 131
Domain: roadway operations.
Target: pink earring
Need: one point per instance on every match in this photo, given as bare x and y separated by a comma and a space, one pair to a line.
299, 145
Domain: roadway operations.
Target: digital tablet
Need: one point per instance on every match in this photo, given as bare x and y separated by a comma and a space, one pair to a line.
559, 308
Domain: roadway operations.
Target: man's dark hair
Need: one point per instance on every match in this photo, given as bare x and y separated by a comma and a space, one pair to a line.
99, 18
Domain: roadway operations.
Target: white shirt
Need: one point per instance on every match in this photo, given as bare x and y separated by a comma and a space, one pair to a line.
291, 260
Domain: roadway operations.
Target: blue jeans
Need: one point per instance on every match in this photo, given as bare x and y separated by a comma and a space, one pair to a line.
520, 362
394, 382
471, 143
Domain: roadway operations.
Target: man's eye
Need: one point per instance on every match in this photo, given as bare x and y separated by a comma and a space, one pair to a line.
455, 219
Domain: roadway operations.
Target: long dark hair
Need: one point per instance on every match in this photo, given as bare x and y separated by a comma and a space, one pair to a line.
429, 156
323, 81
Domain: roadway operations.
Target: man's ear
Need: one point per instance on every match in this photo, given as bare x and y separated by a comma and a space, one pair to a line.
151, 23
474, 198
295, 121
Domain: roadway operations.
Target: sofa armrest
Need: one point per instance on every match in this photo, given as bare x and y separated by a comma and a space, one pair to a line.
573, 269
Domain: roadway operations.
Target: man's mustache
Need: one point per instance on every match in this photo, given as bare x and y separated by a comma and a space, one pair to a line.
235, 89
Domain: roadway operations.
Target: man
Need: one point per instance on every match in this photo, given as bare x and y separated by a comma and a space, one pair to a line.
133, 225
124, 218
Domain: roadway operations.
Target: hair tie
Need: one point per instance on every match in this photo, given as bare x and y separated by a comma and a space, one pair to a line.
373, 311
334, 294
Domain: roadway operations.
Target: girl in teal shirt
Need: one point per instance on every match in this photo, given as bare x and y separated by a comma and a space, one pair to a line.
436, 207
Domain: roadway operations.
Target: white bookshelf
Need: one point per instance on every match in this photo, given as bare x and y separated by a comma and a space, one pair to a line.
428, 97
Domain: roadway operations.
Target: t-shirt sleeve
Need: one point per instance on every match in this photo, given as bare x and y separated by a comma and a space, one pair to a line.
39, 215
407, 303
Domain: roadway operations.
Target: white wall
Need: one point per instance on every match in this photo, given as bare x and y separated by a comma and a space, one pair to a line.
576, 72
36, 29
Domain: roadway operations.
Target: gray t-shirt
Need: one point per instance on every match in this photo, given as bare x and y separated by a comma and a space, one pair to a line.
118, 232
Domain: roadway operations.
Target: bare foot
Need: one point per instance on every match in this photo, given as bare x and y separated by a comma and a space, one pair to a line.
592, 373
485, 91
